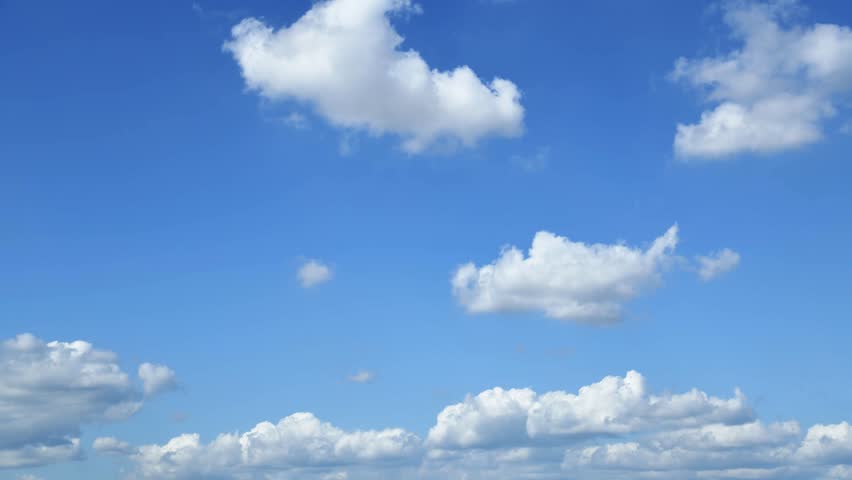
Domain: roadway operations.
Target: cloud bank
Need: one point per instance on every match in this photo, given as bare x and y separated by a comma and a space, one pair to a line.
614, 428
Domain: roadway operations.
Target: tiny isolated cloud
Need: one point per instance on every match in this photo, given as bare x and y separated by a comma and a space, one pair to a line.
565, 279
718, 263
362, 376
28, 476
345, 60
157, 378
313, 273
772, 93
534, 162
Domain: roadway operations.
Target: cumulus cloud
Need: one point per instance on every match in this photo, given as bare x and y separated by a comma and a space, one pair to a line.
713, 265
564, 279
772, 93
614, 428
344, 59
313, 273
157, 378
297, 442
613, 406
49, 390
363, 376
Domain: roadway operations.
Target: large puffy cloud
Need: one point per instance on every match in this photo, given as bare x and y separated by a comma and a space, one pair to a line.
343, 58
48, 390
775, 91
564, 279
615, 428
612, 406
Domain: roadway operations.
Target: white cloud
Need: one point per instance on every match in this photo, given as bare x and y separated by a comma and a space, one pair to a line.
564, 279
112, 446
612, 429
772, 93
711, 266
28, 476
49, 390
157, 378
344, 59
313, 273
613, 406
363, 376
297, 442
828, 443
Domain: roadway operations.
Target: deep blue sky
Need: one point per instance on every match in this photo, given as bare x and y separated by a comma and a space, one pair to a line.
154, 207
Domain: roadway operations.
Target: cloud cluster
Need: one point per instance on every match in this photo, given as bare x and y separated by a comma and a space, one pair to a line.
614, 428
343, 58
570, 280
49, 390
772, 93
564, 279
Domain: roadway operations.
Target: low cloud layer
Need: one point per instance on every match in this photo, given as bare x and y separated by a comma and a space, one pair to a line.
614, 428
50, 390
344, 60
772, 93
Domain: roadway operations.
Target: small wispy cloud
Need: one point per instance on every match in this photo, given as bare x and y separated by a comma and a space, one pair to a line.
363, 376
533, 163
715, 264
296, 120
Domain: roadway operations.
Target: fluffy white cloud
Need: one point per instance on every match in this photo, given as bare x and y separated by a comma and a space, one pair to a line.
343, 58
157, 378
48, 390
300, 441
611, 429
363, 376
775, 91
828, 443
313, 273
612, 406
564, 279
711, 266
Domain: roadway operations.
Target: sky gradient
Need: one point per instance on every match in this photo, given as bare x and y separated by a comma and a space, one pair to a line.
472, 240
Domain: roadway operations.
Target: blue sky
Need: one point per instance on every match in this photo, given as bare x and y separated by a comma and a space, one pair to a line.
159, 200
